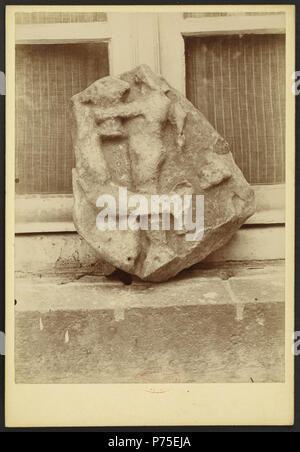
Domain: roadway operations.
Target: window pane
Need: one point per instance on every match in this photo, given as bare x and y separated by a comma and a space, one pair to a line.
62, 17
47, 76
199, 15
238, 82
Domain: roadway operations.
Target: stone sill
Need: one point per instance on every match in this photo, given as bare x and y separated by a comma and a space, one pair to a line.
216, 283
212, 323
69, 253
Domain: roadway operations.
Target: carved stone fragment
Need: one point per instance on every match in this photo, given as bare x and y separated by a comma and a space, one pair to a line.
135, 132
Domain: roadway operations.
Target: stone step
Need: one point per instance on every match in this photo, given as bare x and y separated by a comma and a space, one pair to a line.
219, 323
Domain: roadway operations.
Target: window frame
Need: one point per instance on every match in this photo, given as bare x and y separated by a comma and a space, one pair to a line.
135, 38
270, 198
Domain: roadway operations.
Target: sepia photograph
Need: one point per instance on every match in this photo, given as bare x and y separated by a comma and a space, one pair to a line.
151, 187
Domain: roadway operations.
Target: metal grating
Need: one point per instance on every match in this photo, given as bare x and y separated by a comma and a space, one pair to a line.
238, 82
47, 76
58, 17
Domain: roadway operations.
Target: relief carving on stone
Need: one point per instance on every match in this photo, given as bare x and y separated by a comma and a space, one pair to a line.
136, 132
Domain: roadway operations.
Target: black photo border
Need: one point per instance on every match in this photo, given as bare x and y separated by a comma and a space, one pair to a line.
144, 432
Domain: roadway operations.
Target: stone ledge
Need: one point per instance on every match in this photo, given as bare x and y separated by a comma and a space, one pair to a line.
68, 252
216, 324
92, 292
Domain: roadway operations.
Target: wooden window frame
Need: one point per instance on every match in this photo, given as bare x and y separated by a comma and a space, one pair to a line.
135, 38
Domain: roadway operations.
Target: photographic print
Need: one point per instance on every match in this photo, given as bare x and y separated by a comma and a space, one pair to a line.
151, 191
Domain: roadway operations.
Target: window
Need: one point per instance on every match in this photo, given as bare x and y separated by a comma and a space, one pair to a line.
208, 57
211, 61
238, 82
47, 76
59, 17
57, 55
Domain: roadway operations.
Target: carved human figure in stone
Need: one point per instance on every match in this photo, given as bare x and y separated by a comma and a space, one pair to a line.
146, 117
136, 131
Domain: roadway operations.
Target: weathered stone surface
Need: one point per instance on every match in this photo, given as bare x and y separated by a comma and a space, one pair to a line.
136, 131
223, 323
